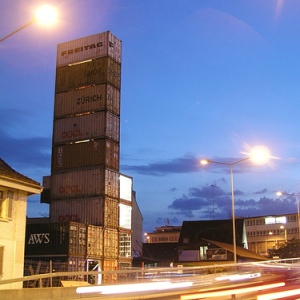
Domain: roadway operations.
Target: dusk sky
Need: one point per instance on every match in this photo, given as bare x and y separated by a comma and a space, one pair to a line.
201, 78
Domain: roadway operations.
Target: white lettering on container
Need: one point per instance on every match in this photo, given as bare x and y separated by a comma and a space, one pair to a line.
39, 238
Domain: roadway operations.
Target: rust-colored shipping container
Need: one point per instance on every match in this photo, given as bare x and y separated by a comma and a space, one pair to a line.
87, 126
97, 71
93, 98
87, 211
97, 45
91, 153
111, 212
94, 241
109, 265
111, 243
62, 238
85, 184
101, 211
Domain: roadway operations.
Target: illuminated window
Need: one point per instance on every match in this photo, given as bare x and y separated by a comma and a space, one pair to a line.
125, 216
125, 245
275, 220
6, 205
125, 188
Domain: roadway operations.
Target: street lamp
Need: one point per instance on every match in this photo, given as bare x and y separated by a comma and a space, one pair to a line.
45, 14
258, 155
296, 195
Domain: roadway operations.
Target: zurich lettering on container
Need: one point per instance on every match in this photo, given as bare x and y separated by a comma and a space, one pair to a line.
97, 45
93, 98
87, 126
97, 71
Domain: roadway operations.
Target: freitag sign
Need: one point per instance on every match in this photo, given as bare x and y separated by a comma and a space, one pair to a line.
90, 47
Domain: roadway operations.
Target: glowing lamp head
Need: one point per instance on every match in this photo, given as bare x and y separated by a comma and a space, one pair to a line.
204, 162
46, 15
260, 155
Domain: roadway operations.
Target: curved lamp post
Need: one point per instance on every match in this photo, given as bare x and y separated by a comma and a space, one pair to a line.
45, 14
259, 155
296, 195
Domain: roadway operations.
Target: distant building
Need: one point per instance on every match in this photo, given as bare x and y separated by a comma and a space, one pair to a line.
163, 234
206, 242
266, 232
197, 243
14, 190
137, 229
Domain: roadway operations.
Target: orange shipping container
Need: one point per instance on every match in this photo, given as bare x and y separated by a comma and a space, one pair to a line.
94, 98
84, 184
92, 153
111, 243
94, 241
87, 126
97, 45
111, 212
97, 71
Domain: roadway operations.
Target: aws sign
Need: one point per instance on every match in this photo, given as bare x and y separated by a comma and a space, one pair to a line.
39, 238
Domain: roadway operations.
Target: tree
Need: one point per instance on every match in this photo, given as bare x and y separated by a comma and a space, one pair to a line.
289, 249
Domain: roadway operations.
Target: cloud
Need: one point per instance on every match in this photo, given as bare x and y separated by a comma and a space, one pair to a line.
263, 191
201, 203
27, 155
186, 164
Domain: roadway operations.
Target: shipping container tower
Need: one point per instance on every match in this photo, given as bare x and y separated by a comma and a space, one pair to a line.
85, 178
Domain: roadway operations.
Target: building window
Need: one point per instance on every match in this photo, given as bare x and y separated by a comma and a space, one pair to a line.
125, 216
259, 222
6, 205
125, 245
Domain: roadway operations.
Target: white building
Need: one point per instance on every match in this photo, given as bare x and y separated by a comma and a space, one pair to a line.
14, 190
266, 232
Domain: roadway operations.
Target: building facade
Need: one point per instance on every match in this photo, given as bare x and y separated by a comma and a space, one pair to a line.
163, 234
14, 190
266, 232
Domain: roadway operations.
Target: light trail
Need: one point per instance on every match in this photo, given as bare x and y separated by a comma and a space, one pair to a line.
231, 291
133, 287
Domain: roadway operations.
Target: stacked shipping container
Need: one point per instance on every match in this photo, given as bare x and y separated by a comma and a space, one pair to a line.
86, 142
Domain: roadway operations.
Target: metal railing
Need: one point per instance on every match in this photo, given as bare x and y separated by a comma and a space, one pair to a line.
55, 279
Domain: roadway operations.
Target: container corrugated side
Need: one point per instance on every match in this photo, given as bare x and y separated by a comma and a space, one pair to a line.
101, 124
94, 241
54, 239
98, 71
111, 243
76, 263
92, 153
85, 183
111, 212
78, 239
93, 98
109, 265
97, 45
87, 211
